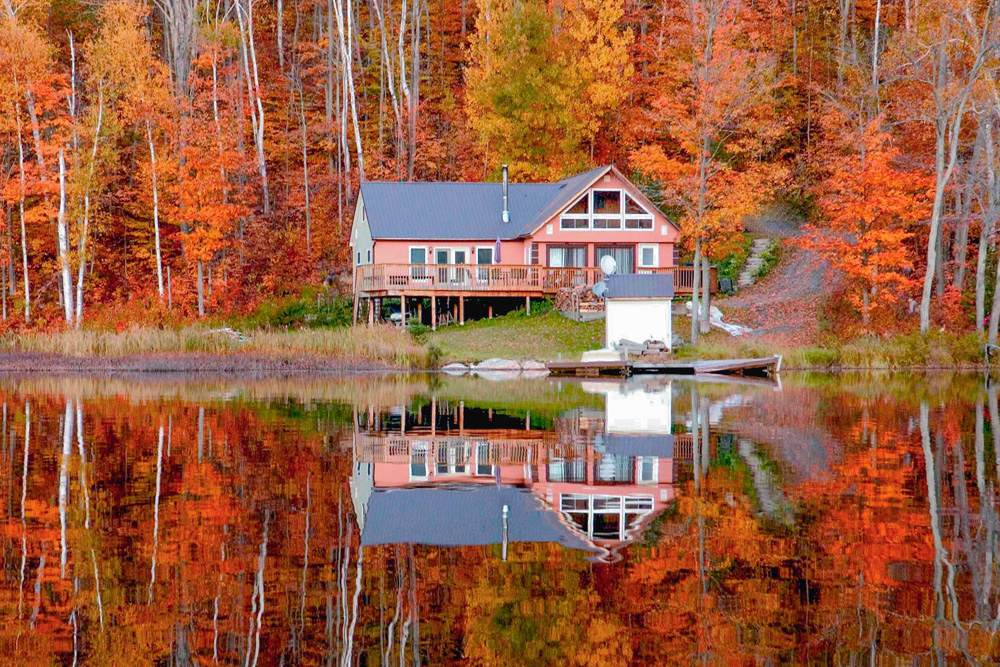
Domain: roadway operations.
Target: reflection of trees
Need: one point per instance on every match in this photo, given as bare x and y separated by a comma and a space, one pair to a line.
887, 556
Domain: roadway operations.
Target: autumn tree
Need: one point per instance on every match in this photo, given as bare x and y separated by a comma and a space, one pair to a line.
716, 124
541, 85
870, 203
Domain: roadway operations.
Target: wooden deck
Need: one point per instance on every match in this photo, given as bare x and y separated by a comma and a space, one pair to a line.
393, 280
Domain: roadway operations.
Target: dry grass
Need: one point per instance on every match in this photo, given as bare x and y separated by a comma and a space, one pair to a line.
383, 345
935, 350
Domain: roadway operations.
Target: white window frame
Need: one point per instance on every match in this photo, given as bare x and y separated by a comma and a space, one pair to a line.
419, 273
628, 507
639, 461
483, 274
421, 448
622, 216
626, 216
475, 464
578, 216
656, 256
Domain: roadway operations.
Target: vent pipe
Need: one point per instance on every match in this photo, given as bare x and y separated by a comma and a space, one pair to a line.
506, 211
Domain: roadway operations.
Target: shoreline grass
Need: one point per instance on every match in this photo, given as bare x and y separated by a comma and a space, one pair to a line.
932, 351
388, 345
543, 336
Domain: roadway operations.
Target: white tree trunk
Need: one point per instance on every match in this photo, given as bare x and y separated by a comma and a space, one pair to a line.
253, 89
156, 211
347, 64
82, 241
20, 207
63, 237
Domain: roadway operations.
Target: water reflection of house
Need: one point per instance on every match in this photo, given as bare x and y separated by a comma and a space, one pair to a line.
441, 474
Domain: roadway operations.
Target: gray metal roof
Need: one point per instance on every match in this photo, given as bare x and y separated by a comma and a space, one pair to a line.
660, 446
462, 516
465, 211
640, 286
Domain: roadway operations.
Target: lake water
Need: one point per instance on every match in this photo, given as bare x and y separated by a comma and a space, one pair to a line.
825, 520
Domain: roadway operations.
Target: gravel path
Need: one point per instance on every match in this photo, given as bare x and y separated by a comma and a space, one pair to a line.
784, 306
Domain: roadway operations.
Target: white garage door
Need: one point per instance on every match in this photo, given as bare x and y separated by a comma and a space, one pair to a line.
638, 321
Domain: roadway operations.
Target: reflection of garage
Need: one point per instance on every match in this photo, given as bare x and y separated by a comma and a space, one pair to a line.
638, 308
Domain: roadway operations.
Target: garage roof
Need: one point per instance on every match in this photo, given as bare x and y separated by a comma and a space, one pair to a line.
640, 286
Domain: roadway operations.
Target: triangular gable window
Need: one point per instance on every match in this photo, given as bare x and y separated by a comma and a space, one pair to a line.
632, 207
581, 207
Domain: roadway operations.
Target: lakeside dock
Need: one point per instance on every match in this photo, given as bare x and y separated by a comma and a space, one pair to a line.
760, 366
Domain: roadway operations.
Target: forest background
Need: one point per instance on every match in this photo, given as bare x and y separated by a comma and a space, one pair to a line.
182, 159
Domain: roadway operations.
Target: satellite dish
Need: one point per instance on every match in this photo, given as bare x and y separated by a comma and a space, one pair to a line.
600, 289
608, 265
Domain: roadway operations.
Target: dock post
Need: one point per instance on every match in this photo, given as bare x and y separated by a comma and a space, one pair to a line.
461, 311
434, 313
527, 305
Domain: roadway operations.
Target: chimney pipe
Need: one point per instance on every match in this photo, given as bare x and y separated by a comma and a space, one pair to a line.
506, 211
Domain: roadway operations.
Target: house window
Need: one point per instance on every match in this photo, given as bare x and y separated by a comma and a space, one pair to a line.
636, 216
577, 216
607, 202
418, 461
562, 256
607, 223
533, 254
418, 260
649, 256
369, 256
624, 256
648, 469
359, 258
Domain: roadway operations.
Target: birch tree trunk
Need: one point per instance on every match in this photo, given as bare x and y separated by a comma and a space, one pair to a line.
82, 240
346, 63
20, 208
249, 53
156, 210
63, 238
988, 227
305, 165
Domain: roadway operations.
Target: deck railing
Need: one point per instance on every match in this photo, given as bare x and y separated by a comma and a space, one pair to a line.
494, 278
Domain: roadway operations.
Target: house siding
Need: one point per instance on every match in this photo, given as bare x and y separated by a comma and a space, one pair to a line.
663, 234
362, 243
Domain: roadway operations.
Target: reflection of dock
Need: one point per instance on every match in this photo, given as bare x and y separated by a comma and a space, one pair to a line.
762, 366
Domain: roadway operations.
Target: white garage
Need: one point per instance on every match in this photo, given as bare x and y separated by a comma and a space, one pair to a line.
637, 308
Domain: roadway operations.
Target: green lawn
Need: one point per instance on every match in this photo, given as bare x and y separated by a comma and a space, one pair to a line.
545, 336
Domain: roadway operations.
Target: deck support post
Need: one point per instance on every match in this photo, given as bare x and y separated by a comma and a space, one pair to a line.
527, 305
420, 310
461, 311
402, 309
354, 317
434, 313
491, 311
371, 312
454, 309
